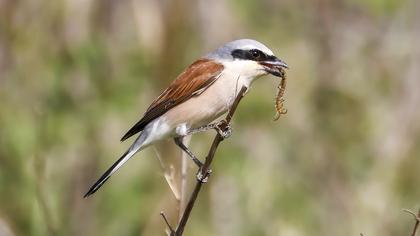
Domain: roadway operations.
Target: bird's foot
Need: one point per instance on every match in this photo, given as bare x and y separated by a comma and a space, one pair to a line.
224, 129
203, 178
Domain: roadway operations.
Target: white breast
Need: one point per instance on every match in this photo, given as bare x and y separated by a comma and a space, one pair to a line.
209, 105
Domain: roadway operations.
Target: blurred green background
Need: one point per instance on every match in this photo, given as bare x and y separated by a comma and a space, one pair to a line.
75, 75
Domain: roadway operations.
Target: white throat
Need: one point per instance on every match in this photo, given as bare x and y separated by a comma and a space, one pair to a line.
248, 71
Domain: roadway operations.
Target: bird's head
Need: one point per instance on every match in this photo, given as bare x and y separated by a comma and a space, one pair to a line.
248, 58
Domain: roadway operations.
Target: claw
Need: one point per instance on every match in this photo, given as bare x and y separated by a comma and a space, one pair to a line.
224, 129
203, 178
227, 132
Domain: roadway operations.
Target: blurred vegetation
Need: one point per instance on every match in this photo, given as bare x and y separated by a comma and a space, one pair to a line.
74, 75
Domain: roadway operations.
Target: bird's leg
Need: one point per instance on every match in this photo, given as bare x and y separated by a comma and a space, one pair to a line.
202, 129
202, 178
224, 129
178, 141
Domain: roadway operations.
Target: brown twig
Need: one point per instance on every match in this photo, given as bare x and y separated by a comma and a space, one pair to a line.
171, 230
417, 218
204, 170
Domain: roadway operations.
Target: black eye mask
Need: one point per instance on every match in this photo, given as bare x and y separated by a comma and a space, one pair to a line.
253, 55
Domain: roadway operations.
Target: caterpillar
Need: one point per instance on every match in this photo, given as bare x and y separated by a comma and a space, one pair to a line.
279, 101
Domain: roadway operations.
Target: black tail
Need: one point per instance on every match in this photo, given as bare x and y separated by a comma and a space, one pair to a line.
109, 172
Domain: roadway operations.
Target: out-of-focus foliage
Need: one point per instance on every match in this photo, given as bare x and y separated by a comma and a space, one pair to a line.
74, 75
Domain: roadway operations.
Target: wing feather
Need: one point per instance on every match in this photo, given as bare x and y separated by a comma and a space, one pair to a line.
192, 82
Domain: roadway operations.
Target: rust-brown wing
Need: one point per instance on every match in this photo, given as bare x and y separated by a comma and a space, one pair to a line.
192, 82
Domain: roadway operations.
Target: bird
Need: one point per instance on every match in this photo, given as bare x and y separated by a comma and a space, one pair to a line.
202, 93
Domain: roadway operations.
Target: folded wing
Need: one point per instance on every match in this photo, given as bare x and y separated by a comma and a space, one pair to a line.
192, 82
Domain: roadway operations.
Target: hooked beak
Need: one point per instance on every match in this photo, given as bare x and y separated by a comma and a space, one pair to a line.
274, 66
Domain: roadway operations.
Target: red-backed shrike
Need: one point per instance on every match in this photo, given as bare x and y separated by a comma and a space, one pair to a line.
199, 95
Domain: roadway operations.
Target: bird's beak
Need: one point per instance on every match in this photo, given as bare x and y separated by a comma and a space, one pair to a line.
274, 66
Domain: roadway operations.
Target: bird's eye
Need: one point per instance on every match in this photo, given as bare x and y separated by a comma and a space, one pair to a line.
256, 54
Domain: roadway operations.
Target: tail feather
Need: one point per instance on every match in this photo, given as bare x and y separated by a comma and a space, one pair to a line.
124, 158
